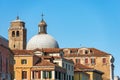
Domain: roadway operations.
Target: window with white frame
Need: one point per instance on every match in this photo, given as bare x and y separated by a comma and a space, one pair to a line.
24, 61
93, 61
47, 74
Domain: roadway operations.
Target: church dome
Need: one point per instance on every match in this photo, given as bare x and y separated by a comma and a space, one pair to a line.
42, 41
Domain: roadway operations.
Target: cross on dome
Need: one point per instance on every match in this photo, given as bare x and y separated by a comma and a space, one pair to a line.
42, 15
17, 18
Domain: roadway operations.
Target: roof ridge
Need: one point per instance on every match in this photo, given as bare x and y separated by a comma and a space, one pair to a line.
1, 37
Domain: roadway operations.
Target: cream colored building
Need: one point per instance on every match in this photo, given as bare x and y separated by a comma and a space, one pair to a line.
93, 58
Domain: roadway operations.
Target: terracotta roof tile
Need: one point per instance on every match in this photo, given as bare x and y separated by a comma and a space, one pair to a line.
84, 68
22, 52
81, 66
94, 52
45, 63
49, 50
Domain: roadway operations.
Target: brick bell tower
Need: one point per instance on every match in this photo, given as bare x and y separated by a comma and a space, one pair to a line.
17, 35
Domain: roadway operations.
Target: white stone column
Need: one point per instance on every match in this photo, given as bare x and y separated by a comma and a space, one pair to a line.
31, 75
53, 74
41, 75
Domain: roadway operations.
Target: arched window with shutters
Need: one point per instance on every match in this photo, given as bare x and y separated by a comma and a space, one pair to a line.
17, 33
13, 33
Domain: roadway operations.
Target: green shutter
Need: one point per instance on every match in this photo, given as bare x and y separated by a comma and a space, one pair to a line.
50, 74
44, 74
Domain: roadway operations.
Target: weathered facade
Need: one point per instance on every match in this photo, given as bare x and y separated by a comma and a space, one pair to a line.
6, 60
93, 58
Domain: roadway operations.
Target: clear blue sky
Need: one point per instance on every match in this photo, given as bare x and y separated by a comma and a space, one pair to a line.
73, 23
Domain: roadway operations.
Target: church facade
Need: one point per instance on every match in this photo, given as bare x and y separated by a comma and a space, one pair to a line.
42, 59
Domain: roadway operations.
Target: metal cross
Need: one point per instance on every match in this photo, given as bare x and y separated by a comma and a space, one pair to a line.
42, 15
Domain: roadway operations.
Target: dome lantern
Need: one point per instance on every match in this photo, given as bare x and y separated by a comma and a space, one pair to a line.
42, 26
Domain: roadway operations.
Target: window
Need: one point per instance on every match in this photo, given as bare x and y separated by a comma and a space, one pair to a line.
14, 45
24, 74
56, 75
86, 51
72, 77
63, 64
66, 66
69, 77
72, 68
104, 60
86, 60
13, 33
0, 62
47, 74
69, 67
7, 65
17, 33
23, 61
36, 74
59, 76
64, 76
93, 61
77, 60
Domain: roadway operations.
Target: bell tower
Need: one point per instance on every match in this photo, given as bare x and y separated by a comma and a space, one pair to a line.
17, 35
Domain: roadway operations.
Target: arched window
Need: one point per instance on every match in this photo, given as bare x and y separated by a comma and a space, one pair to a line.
13, 33
14, 45
17, 33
